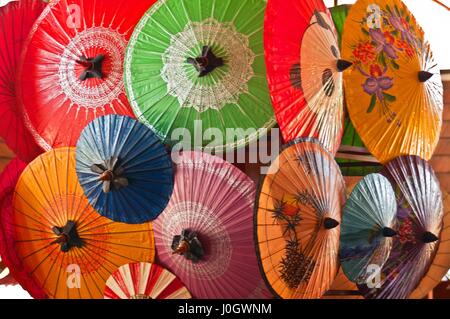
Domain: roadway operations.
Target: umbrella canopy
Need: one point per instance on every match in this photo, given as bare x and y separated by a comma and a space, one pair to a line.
72, 66
297, 221
419, 215
17, 13
304, 69
368, 227
9, 258
124, 169
144, 281
199, 66
63, 243
394, 77
205, 234
441, 262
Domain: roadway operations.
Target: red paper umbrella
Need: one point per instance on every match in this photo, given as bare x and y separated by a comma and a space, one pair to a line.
16, 20
144, 281
9, 258
72, 67
304, 70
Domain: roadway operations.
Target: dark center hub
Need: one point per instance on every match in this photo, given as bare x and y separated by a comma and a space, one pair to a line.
92, 67
188, 245
206, 62
67, 236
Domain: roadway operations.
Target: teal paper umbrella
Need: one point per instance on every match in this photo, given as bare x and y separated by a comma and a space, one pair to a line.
199, 66
368, 227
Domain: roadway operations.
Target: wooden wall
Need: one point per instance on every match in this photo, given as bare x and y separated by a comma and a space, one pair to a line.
441, 158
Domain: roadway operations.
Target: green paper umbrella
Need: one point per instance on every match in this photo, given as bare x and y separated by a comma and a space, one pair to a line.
199, 65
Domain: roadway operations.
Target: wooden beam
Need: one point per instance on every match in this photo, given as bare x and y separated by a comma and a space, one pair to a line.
357, 157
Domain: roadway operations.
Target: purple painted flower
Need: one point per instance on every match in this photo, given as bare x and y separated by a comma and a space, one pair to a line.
383, 43
401, 25
376, 82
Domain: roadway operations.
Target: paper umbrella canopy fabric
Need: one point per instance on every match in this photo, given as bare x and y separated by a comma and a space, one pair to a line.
125, 171
368, 227
144, 281
394, 78
16, 21
61, 240
205, 236
71, 68
297, 221
304, 69
439, 267
8, 254
199, 65
419, 219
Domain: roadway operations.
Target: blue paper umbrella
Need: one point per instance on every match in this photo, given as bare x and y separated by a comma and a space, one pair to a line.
124, 169
368, 227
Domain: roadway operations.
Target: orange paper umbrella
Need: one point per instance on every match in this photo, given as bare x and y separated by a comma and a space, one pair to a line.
296, 221
394, 89
63, 243
144, 281
441, 262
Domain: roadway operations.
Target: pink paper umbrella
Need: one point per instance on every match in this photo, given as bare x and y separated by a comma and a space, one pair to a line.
205, 235
8, 181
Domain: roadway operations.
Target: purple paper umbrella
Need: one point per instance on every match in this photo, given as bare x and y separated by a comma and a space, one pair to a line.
420, 217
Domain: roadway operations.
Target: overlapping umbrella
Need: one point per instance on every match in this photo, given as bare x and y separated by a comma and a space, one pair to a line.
16, 21
304, 68
394, 78
420, 216
125, 171
72, 66
441, 261
13, 268
368, 227
63, 243
144, 281
297, 221
197, 69
205, 234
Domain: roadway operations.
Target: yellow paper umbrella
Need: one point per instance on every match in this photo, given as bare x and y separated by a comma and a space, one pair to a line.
63, 243
394, 89
441, 262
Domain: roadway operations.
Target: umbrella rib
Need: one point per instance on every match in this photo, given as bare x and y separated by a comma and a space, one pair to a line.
43, 260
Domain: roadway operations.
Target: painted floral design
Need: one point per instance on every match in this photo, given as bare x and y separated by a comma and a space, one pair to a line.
295, 266
378, 54
364, 52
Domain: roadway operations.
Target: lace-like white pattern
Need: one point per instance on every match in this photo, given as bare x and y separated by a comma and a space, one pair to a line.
227, 88
187, 215
81, 93
245, 189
